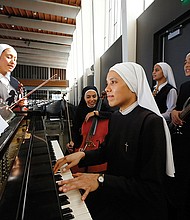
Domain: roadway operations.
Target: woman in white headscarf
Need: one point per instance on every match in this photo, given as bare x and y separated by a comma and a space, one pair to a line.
137, 150
9, 86
179, 189
164, 92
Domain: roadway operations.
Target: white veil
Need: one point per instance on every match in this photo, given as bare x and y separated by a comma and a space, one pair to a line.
134, 76
4, 47
168, 73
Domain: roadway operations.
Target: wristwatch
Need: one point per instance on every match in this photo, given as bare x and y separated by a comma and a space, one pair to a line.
101, 179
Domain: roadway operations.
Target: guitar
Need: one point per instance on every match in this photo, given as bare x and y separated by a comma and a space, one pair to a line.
184, 113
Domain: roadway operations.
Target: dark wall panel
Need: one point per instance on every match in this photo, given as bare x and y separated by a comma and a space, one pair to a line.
175, 52
90, 80
160, 15
112, 56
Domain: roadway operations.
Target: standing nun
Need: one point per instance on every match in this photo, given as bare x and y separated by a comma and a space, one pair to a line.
137, 150
9, 86
164, 92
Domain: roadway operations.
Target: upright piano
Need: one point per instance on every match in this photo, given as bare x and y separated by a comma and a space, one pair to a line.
28, 188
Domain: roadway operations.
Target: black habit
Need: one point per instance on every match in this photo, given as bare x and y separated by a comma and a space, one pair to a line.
179, 187
135, 149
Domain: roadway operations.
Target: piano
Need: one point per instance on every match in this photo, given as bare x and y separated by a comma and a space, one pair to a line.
29, 190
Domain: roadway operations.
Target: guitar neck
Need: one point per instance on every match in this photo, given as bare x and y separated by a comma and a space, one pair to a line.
185, 112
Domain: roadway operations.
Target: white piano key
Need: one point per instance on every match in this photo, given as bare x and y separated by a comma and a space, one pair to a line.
57, 149
79, 208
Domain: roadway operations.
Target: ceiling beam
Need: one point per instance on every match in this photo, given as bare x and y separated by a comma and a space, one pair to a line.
45, 53
37, 45
36, 36
23, 61
44, 7
38, 24
44, 59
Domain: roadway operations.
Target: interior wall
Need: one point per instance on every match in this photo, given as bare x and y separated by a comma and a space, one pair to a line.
112, 56
176, 48
159, 15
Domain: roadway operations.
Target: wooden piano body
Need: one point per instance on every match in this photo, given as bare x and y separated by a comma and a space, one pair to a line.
29, 190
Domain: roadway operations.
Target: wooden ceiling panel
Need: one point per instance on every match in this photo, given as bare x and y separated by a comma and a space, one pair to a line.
39, 25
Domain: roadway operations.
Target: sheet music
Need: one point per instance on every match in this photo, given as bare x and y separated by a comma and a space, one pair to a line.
3, 125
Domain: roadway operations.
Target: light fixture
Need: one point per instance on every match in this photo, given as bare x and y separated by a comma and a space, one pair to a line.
1, 7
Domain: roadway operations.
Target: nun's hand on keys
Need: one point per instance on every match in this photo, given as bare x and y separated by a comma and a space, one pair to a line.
85, 181
68, 161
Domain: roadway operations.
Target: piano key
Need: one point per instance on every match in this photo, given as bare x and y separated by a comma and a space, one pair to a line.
57, 149
78, 207
76, 204
68, 216
66, 210
58, 177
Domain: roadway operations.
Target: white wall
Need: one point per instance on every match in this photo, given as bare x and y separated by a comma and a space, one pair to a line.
98, 25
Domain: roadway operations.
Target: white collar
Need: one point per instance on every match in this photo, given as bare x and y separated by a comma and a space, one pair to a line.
7, 76
161, 86
129, 109
4, 80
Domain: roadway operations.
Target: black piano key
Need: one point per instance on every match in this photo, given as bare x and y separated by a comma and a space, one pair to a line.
58, 177
64, 202
68, 216
63, 197
66, 211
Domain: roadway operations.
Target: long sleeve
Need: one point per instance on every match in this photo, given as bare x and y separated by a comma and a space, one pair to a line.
134, 167
183, 95
170, 103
